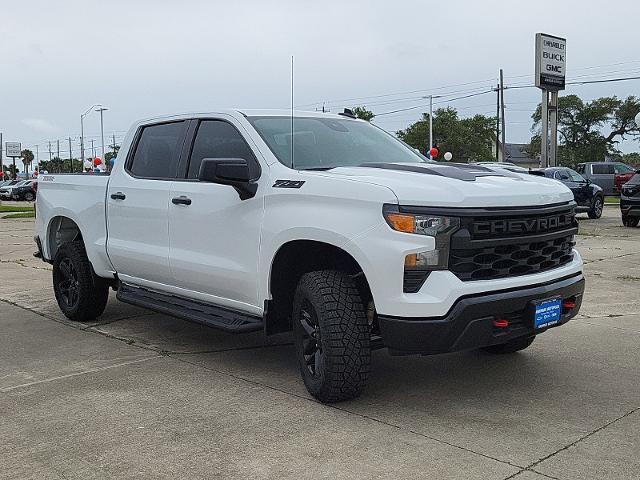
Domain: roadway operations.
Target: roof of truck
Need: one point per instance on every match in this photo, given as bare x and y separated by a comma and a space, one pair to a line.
248, 112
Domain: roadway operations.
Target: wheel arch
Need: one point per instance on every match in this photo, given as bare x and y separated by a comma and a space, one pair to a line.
293, 259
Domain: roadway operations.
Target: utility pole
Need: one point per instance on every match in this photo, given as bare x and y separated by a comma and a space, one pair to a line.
93, 151
58, 148
498, 123
1, 164
101, 110
70, 155
504, 141
430, 124
49, 150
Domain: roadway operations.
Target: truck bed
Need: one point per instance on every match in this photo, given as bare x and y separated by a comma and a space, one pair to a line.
81, 198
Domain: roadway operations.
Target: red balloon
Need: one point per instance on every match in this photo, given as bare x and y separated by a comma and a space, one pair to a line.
433, 152
97, 161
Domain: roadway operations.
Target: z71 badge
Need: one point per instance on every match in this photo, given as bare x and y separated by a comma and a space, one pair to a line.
288, 183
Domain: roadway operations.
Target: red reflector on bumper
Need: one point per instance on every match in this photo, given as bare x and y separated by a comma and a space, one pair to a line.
501, 323
568, 304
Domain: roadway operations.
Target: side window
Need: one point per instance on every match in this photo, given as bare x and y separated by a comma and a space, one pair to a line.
580, 168
217, 139
157, 151
564, 175
622, 168
602, 169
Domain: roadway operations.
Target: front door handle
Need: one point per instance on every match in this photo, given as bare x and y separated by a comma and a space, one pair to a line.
118, 196
181, 200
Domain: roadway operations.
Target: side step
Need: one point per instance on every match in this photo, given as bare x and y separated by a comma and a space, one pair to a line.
188, 309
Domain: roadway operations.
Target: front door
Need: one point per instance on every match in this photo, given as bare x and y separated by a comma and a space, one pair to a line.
138, 205
214, 237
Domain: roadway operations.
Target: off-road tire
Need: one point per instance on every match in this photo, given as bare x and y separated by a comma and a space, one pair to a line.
513, 346
630, 221
596, 208
81, 295
341, 335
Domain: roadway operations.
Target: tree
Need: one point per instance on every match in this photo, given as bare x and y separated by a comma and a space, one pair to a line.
27, 158
468, 139
363, 113
109, 155
590, 131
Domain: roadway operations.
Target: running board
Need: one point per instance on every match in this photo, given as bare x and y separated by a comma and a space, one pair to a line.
188, 309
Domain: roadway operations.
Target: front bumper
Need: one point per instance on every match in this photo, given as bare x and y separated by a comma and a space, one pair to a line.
630, 206
469, 324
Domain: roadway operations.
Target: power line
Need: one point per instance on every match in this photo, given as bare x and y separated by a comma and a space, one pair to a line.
435, 103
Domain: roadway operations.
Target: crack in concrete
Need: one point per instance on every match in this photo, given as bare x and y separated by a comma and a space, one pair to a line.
589, 262
77, 374
572, 444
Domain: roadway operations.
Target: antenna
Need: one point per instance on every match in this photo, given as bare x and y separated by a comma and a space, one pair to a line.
292, 127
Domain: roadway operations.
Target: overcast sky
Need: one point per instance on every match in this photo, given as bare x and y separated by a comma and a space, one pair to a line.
149, 57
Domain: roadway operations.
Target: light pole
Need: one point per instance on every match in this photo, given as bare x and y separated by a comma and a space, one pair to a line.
82, 130
431, 97
101, 110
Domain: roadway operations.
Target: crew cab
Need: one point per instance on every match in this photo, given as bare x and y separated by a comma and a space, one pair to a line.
589, 197
319, 224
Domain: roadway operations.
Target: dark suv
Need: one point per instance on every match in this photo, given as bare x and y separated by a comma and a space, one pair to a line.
589, 197
630, 201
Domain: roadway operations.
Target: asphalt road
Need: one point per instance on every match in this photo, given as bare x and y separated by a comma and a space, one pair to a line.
138, 394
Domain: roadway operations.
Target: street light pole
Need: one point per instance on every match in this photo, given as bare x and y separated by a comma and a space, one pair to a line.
101, 110
82, 130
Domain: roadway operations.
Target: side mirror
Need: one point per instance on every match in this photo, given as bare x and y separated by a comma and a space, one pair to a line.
235, 172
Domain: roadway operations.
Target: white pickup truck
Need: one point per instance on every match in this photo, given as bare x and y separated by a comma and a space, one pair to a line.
325, 225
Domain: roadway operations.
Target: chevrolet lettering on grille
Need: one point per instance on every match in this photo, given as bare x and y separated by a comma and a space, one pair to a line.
525, 225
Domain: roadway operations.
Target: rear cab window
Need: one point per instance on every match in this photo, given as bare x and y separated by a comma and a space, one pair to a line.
602, 169
157, 151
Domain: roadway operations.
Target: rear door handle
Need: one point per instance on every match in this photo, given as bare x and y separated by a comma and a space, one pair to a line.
118, 196
181, 200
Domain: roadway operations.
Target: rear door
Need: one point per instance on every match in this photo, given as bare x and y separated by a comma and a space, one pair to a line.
138, 203
602, 175
214, 240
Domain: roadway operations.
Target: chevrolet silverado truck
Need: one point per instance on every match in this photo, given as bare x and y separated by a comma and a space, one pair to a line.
319, 224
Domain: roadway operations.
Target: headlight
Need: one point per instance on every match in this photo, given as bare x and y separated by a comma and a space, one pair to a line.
418, 265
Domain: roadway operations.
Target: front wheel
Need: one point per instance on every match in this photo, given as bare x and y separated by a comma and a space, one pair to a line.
513, 346
81, 295
630, 222
29, 196
331, 335
596, 208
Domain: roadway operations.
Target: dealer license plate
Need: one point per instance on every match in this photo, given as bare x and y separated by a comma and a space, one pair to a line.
547, 313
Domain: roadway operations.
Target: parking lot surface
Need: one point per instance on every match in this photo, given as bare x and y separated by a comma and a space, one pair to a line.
139, 394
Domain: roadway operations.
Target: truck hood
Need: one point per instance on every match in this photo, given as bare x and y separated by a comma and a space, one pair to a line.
459, 185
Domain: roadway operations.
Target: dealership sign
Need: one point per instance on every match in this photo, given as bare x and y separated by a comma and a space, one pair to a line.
13, 149
550, 61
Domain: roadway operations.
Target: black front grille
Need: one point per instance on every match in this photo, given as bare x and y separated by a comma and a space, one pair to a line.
501, 244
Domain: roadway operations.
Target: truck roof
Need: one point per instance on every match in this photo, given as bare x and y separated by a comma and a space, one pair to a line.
248, 112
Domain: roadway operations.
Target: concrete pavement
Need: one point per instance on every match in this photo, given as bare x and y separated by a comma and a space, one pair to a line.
138, 394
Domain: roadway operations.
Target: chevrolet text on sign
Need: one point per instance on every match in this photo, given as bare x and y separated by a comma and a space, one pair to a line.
550, 61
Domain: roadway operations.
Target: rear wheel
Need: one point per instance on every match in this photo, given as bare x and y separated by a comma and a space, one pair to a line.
81, 295
596, 208
630, 221
332, 336
29, 196
510, 347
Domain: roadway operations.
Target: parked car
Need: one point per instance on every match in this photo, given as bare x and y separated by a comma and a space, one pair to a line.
621, 178
351, 239
6, 191
630, 201
24, 191
603, 174
589, 197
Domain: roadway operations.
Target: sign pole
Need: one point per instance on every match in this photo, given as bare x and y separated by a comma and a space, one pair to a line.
544, 140
553, 128
1, 164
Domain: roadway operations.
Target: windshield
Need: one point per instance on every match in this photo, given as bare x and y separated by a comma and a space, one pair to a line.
575, 176
21, 183
323, 143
